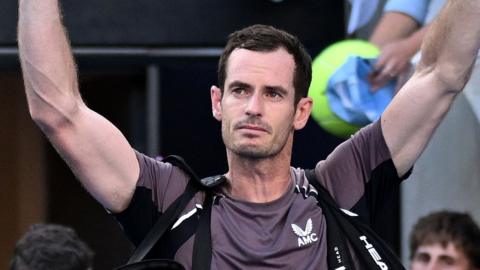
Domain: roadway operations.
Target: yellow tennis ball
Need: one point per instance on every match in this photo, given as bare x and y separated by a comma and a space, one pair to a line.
324, 65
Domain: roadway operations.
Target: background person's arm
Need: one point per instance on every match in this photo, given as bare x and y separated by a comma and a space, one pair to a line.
400, 19
393, 26
395, 57
95, 150
448, 54
399, 36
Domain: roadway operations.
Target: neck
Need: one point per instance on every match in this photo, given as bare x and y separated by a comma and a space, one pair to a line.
259, 180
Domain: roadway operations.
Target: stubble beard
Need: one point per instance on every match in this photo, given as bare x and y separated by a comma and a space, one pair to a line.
255, 152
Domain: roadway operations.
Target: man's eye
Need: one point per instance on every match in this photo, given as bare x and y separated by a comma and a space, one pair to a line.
273, 94
239, 91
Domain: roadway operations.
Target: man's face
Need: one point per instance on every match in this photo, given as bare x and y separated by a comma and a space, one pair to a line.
257, 107
436, 256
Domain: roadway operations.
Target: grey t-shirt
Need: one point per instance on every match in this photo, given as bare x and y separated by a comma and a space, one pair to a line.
288, 233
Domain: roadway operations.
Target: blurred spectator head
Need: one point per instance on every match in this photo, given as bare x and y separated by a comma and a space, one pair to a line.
445, 240
51, 247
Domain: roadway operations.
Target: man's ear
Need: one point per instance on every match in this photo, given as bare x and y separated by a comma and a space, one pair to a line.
302, 112
216, 97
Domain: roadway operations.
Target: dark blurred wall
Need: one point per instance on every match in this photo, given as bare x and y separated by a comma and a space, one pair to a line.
22, 167
184, 22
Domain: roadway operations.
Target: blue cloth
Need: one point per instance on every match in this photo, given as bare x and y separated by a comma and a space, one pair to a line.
349, 92
416, 9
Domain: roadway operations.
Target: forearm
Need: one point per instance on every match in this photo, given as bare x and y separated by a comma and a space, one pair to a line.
415, 40
450, 47
47, 63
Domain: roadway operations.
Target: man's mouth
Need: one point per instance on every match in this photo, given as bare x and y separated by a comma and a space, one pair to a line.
252, 127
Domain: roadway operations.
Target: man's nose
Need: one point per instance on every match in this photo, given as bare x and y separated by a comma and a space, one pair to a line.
254, 105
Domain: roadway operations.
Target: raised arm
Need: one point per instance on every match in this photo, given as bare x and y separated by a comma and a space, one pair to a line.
448, 55
95, 150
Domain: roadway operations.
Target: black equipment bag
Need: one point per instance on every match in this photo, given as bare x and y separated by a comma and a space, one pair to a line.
346, 232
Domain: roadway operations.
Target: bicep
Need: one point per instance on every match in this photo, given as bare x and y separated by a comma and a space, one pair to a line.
99, 156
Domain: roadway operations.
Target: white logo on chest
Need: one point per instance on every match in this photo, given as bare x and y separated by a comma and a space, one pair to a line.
305, 237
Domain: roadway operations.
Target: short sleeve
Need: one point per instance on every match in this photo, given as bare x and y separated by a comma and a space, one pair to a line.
350, 166
158, 185
417, 9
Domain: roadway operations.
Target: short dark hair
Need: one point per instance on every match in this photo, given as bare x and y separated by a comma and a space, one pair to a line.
448, 227
51, 247
264, 38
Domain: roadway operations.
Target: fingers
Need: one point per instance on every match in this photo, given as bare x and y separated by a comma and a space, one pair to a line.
384, 72
381, 79
393, 60
386, 66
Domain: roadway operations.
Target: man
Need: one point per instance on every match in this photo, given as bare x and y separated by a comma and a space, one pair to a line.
265, 210
51, 247
445, 240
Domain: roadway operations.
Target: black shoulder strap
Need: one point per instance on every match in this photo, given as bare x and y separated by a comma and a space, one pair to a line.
338, 253
202, 247
369, 247
163, 223
202, 244
170, 215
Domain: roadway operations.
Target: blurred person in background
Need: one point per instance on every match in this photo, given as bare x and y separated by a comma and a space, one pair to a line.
51, 247
445, 240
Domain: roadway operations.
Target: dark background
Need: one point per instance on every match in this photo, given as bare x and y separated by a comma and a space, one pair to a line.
114, 86
185, 22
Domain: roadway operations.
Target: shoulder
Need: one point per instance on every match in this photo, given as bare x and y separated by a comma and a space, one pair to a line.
152, 169
164, 180
367, 147
350, 166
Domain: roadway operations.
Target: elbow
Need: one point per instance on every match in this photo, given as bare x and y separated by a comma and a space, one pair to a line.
450, 77
454, 77
451, 74
52, 119
46, 124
